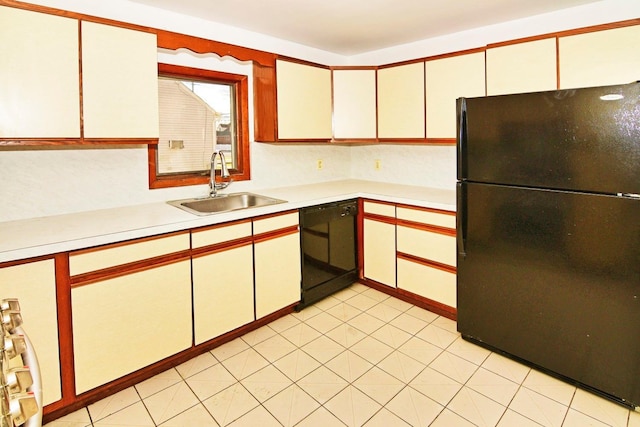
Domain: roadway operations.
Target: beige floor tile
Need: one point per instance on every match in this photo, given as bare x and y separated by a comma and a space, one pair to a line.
346, 335
375, 294
422, 314
362, 302
366, 323
210, 381
359, 287
229, 349
384, 312
601, 409
158, 383
296, 364
291, 405
475, 407
134, 415
634, 419
420, 350
258, 335
538, 408
506, 367
301, 334
349, 365
195, 416
398, 304
468, 351
266, 383
553, 388
453, 367
197, 364
114, 403
578, 419
401, 366
352, 406
230, 404
493, 386
326, 303
437, 336
256, 417
385, 418
323, 349
391, 335
408, 323
79, 418
245, 363
344, 311
274, 348
414, 407
345, 294
322, 384
321, 418
379, 385
448, 418
371, 349
170, 402
284, 323
323, 322
513, 419
448, 324
436, 386
307, 313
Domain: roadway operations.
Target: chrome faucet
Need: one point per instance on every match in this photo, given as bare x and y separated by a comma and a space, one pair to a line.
224, 173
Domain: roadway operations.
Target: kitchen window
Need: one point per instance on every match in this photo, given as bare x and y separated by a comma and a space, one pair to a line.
201, 111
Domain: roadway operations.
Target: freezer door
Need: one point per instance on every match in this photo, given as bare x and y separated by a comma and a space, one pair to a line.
579, 139
553, 278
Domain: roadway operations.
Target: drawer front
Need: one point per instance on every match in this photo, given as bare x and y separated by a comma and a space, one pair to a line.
429, 282
97, 259
427, 244
273, 223
221, 234
380, 209
428, 217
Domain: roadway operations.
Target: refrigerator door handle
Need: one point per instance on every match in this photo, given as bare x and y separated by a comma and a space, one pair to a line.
461, 218
461, 123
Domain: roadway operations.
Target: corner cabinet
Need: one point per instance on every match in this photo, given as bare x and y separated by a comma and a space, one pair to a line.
379, 242
131, 307
277, 266
354, 104
34, 284
222, 263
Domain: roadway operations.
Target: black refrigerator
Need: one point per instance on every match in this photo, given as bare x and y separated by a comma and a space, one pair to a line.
549, 232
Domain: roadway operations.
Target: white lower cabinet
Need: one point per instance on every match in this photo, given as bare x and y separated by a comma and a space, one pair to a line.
34, 284
277, 267
427, 281
222, 280
379, 241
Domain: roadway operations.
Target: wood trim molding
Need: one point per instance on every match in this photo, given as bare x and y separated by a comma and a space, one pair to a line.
426, 227
379, 218
221, 247
274, 234
426, 209
426, 262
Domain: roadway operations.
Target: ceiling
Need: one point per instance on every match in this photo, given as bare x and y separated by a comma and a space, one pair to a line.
350, 27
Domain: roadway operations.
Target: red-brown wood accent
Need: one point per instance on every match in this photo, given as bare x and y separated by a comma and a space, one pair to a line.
379, 218
265, 117
126, 242
275, 214
426, 227
360, 237
425, 209
269, 235
557, 63
53, 412
426, 262
221, 247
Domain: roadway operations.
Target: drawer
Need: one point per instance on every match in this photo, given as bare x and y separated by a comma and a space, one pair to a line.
426, 281
272, 223
220, 234
110, 256
383, 209
425, 244
431, 217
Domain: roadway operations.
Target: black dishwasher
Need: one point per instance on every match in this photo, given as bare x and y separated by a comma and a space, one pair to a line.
328, 241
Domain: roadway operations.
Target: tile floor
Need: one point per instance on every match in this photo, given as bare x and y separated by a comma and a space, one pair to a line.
358, 358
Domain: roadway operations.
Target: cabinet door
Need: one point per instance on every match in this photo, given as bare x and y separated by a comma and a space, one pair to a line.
39, 76
34, 284
303, 101
401, 103
119, 82
522, 67
126, 323
600, 58
446, 80
428, 281
380, 252
354, 104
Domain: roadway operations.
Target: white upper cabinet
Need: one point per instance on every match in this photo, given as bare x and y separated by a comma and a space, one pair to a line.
303, 101
354, 104
446, 80
401, 102
39, 76
600, 58
119, 82
522, 67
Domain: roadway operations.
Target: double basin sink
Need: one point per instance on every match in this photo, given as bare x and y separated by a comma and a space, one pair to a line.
224, 203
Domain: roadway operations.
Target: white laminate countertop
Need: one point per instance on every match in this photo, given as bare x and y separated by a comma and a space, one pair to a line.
49, 235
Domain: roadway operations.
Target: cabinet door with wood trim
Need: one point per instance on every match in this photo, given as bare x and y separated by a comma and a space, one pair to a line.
522, 67
354, 104
222, 263
277, 265
401, 101
34, 284
379, 242
303, 101
447, 79
600, 58
131, 311
39, 76
119, 82
427, 253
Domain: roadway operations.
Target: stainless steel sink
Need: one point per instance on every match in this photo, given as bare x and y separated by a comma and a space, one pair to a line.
224, 203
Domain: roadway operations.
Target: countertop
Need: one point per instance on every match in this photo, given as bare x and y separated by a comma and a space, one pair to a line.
49, 235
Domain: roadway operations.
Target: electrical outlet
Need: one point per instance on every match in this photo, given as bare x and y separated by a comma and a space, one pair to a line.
319, 164
377, 164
